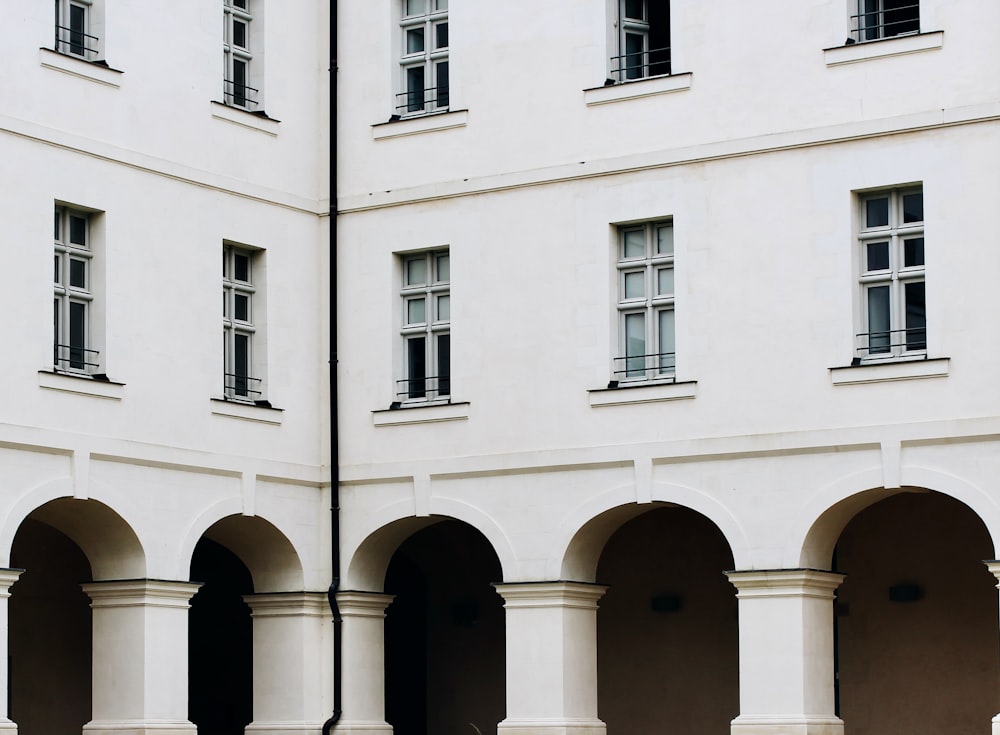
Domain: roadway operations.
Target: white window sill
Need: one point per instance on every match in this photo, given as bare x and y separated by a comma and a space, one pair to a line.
895, 46
247, 411
420, 124
244, 118
638, 88
878, 372
92, 70
421, 414
81, 385
642, 393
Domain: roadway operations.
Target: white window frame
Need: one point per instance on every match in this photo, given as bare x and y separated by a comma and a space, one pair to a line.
646, 324
425, 302
242, 324
75, 282
421, 25
629, 63
79, 28
243, 14
874, 20
891, 276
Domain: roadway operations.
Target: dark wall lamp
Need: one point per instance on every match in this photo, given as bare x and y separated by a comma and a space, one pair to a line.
906, 592
667, 603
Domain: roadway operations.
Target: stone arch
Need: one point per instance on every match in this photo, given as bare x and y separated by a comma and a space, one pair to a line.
393, 524
587, 528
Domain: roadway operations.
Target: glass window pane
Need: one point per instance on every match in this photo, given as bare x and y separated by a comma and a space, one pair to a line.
57, 220
901, 16
635, 285
58, 275
635, 345
444, 364
878, 256
441, 74
443, 269
240, 4
415, 40
913, 251
241, 365
241, 267
634, 9
916, 316
239, 34
634, 62
239, 82
666, 337
634, 244
416, 7
441, 35
441, 4
443, 308
878, 319
77, 273
77, 25
664, 281
877, 212
416, 271
416, 367
77, 334
242, 308
415, 89
665, 240
78, 231
913, 205
416, 311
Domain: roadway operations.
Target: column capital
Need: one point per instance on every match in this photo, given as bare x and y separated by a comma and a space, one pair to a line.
583, 595
7, 579
354, 603
785, 583
994, 566
284, 604
140, 593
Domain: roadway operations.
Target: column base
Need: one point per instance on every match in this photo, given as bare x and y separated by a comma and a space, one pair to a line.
140, 727
7, 727
288, 728
777, 725
361, 727
560, 726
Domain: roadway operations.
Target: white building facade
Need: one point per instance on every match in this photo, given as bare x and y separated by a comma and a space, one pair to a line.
667, 400
164, 510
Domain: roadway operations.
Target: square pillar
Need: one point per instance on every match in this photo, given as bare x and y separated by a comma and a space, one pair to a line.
7, 579
291, 679
551, 658
786, 652
140, 657
363, 651
994, 567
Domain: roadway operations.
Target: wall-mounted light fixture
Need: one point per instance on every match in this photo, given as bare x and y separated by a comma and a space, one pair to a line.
906, 592
667, 603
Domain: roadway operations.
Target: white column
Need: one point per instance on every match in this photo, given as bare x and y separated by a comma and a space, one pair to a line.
994, 567
140, 657
363, 666
551, 658
7, 578
291, 652
786, 652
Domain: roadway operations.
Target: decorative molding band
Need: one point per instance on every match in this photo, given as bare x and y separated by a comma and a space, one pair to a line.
578, 595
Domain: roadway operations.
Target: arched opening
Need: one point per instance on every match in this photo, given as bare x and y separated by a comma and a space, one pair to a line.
220, 642
444, 633
667, 629
916, 619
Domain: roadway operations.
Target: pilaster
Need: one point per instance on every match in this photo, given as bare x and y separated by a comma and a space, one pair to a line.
7, 578
363, 651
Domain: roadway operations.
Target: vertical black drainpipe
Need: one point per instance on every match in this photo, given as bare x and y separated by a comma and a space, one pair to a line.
334, 425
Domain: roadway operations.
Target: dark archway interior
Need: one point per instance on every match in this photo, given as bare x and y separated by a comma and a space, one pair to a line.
220, 652
444, 634
50, 633
916, 619
668, 634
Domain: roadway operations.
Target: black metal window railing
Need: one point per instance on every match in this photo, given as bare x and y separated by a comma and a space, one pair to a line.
654, 366
430, 387
640, 64
75, 42
241, 95
422, 100
892, 343
242, 387
877, 19
75, 358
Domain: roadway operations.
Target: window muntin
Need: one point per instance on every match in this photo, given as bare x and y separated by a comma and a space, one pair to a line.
426, 327
73, 293
643, 44
872, 20
75, 29
424, 59
892, 275
645, 270
238, 56
239, 328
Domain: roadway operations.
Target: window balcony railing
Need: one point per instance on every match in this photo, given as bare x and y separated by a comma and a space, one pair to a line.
432, 99
76, 359
890, 344
629, 67
241, 95
76, 42
654, 366
430, 388
242, 387
888, 22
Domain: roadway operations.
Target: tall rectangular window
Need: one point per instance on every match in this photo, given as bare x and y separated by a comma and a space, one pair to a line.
645, 271
238, 55
73, 293
240, 324
78, 23
424, 59
891, 274
426, 327
875, 19
643, 48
